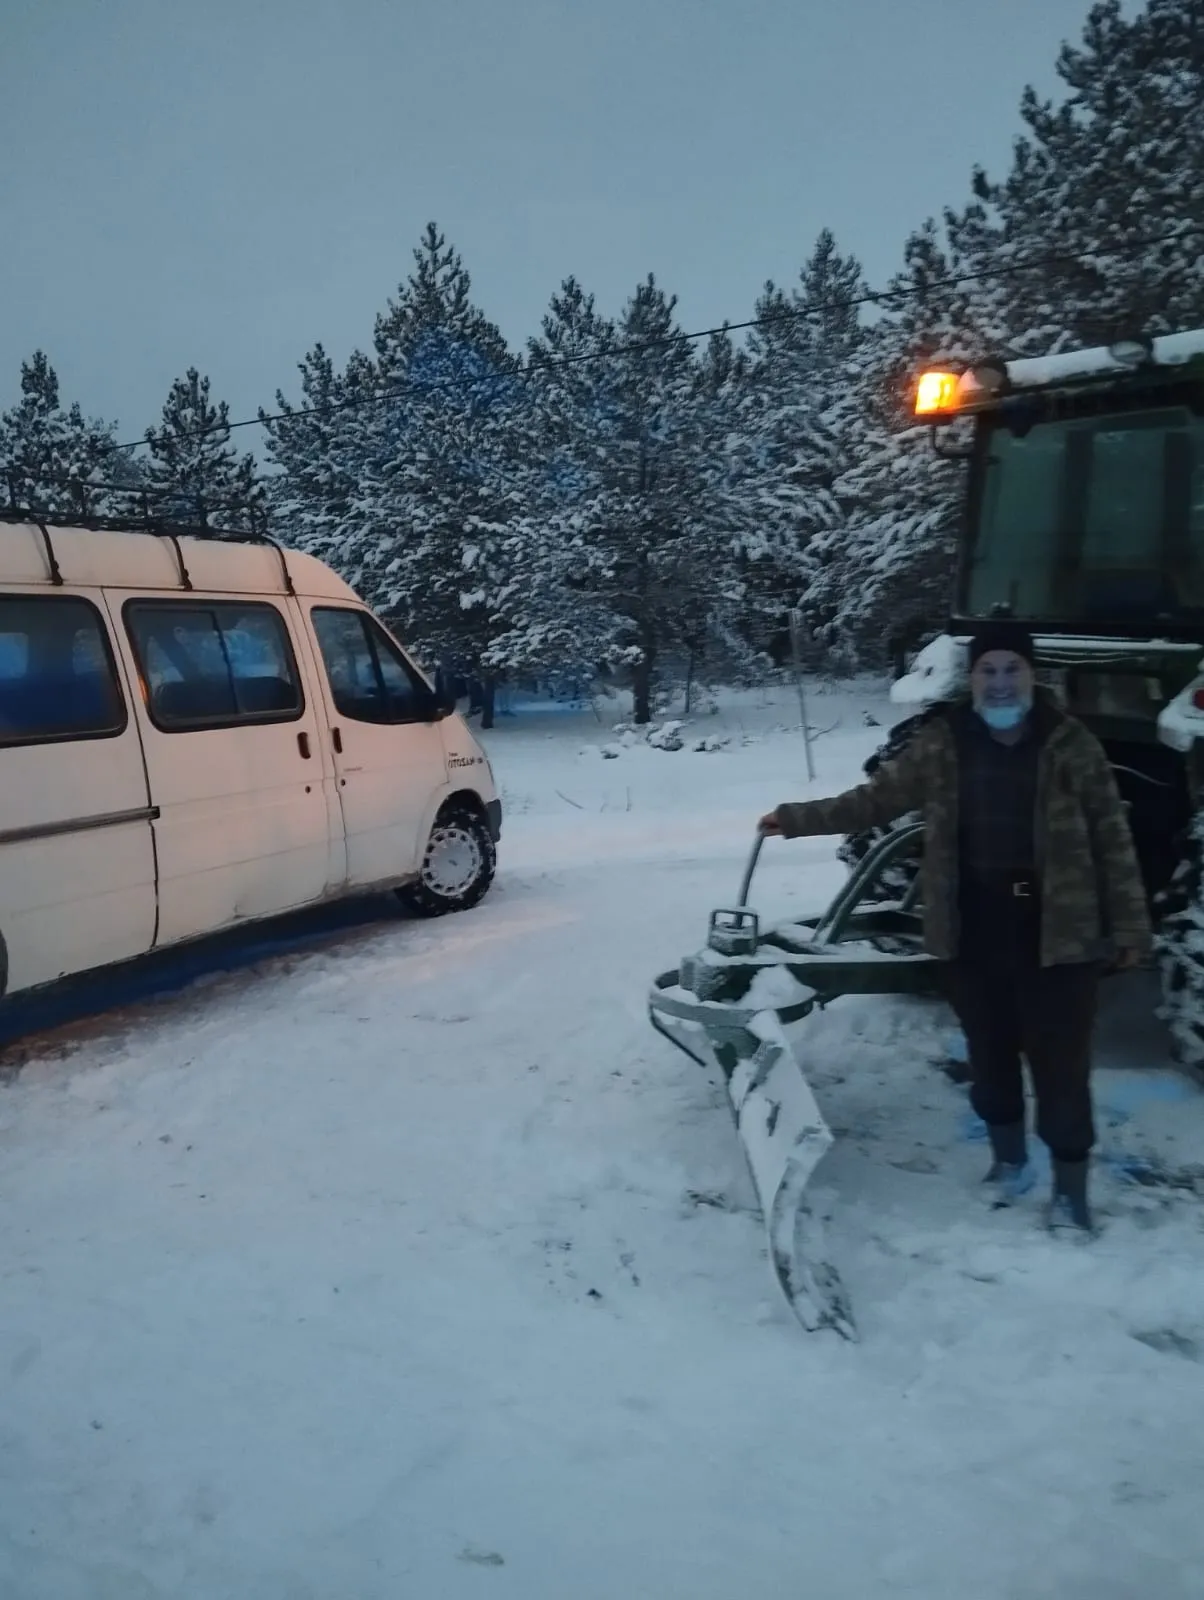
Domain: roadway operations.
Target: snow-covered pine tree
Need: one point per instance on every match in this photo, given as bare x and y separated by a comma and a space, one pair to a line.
1115, 163
640, 508
407, 472
54, 458
432, 535
809, 353
720, 629
555, 622
313, 447
654, 568
195, 475
893, 585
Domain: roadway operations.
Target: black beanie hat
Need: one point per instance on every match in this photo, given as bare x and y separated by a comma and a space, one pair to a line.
1003, 634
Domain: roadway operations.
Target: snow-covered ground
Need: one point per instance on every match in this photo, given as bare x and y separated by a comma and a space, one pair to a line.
416, 1265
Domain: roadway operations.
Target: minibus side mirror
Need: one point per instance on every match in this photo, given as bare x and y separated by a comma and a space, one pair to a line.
443, 699
437, 704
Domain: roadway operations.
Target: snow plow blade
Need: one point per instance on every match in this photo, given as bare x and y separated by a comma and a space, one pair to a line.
728, 1008
784, 1136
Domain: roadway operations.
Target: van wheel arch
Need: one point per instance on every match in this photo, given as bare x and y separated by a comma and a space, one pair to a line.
465, 800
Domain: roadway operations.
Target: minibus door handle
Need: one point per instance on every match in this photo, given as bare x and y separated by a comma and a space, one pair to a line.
303, 745
336, 738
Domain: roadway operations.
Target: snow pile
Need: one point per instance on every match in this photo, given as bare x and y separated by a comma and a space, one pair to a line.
938, 671
666, 735
774, 989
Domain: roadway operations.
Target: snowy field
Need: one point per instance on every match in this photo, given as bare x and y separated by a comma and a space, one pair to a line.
416, 1266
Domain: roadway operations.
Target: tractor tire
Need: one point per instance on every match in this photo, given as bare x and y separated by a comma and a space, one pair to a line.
1179, 951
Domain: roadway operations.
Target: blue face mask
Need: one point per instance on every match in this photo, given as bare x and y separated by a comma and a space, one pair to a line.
1001, 718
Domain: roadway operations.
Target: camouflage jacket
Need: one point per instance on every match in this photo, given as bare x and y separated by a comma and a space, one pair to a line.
1093, 900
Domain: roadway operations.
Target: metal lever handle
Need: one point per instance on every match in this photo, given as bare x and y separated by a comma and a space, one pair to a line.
750, 868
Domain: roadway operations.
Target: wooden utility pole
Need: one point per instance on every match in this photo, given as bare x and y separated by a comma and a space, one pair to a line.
796, 655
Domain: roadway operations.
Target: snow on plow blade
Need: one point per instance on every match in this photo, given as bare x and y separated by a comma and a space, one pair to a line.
728, 1008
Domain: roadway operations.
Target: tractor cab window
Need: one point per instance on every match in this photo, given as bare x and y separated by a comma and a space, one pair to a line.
1099, 519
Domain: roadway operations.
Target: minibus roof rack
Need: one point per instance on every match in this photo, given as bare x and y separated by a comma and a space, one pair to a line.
164, 512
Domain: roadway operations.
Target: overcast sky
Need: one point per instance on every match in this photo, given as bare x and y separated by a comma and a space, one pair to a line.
221, 183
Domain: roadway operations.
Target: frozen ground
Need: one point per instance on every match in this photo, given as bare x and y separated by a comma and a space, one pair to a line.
418, 1266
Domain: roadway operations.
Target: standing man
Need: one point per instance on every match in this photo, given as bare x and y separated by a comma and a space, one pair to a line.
1031, 889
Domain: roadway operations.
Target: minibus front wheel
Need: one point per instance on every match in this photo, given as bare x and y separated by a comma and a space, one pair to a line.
458, 865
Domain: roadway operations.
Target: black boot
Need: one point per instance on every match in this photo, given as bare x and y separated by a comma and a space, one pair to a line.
1010, 1169
1068, 1206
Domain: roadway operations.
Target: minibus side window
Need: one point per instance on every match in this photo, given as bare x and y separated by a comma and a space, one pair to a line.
57, 676
370, 680
214, 665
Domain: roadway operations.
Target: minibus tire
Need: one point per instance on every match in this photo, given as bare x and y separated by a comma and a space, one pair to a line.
467, 829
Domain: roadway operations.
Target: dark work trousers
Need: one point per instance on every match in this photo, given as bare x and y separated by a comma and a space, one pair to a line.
1010, 1006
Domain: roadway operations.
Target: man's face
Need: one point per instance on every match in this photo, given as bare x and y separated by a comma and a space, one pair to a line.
1002, 678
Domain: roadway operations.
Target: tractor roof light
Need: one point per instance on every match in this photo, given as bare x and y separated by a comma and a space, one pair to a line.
943, 395
937, 394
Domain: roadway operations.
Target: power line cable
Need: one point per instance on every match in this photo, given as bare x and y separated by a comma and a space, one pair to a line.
523, 367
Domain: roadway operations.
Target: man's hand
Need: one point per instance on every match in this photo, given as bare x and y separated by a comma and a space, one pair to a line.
770, 825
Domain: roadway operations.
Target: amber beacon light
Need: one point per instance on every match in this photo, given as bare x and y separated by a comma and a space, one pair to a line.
936, 394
